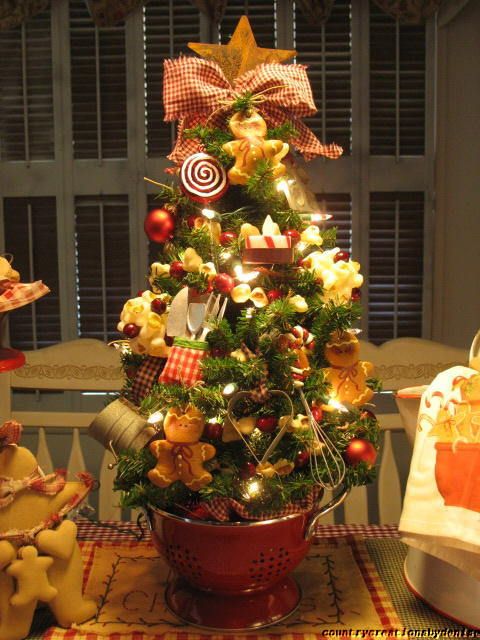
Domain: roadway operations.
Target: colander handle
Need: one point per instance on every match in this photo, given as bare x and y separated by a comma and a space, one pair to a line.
330, 506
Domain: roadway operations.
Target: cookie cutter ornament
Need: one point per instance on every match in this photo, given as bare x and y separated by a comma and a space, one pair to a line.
273, 445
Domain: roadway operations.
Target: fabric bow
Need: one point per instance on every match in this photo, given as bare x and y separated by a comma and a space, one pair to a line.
50, 485
195, 88
10, 433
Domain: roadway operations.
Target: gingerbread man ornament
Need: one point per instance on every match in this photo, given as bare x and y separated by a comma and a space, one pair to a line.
347, 373
250, 147
181, 456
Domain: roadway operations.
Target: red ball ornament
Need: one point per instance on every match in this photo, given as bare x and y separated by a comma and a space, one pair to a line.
267, 424
342, 255
248, 470
223, 283
226, 237
131, 330
293, 234
213, 430
176, 270
360, 450
311, 345
317, 413
217, 352
159, 225
302, 459
191, 220
139, 293
356, 294
158, 306
274, 294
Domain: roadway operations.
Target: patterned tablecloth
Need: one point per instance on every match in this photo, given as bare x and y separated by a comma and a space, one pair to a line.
384, 549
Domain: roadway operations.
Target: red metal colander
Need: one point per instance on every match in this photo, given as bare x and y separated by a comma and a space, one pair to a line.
234, 575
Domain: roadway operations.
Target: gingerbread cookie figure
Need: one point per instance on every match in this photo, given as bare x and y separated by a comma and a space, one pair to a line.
181, 456
66, 574
250, 147
347, 373
30, 572
15, 621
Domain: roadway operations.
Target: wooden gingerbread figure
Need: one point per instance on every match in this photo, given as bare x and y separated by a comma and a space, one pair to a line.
181, 456
250, 147
347, 373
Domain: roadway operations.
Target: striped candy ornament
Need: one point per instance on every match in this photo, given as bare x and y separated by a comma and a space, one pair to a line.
203, 178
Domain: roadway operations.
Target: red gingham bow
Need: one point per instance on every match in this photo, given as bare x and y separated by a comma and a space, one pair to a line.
194, 88
50, 485
10, 433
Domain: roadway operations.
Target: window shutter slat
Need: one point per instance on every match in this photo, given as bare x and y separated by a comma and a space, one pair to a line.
98, 77
35, 325
329, 72
395, 285
103, 263
164, 39
26, 58
338, 205
383, 86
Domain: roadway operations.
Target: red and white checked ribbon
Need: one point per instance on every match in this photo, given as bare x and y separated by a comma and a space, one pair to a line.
10, 433
20, 294
193, 89
183, 364
50, 485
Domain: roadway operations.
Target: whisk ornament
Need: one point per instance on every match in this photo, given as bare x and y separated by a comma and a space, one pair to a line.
333, 464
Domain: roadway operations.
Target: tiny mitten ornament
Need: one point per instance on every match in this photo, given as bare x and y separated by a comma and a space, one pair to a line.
250, 147
347, 374
181, 456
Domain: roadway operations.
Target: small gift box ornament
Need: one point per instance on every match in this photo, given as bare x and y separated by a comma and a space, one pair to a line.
268, 248
183, 364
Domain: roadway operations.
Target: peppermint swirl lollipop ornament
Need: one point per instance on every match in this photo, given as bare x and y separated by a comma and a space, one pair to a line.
203, 178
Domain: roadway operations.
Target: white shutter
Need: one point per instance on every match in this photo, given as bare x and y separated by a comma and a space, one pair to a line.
397, 86
31, 236
327, 51
395, 285
169, 26
263, 19
98, 76
26, 92
338, 205
103, 263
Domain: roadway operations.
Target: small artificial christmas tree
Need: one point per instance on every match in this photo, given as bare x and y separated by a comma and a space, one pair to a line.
242, 354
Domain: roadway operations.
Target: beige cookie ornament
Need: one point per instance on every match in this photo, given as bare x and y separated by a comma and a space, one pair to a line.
38, 563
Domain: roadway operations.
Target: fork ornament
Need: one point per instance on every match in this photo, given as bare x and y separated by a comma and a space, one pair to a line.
214, 312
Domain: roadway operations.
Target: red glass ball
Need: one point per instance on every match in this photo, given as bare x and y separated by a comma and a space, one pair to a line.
158, 306
226, 237
317, 413
131, 330
267, 424
213, 430
139, 293
302, 459
223, 283
360, 450
356, 294
342, 255
274, 294
176, 270
159, 225
248, 470
293, 234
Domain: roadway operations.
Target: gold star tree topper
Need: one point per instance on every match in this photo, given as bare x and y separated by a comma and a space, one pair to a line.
241, 54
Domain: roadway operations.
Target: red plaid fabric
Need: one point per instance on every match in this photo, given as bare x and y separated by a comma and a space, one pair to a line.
145, 377
222, 509
21, 294
183, 364
10, 433
50, 485
195, 88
